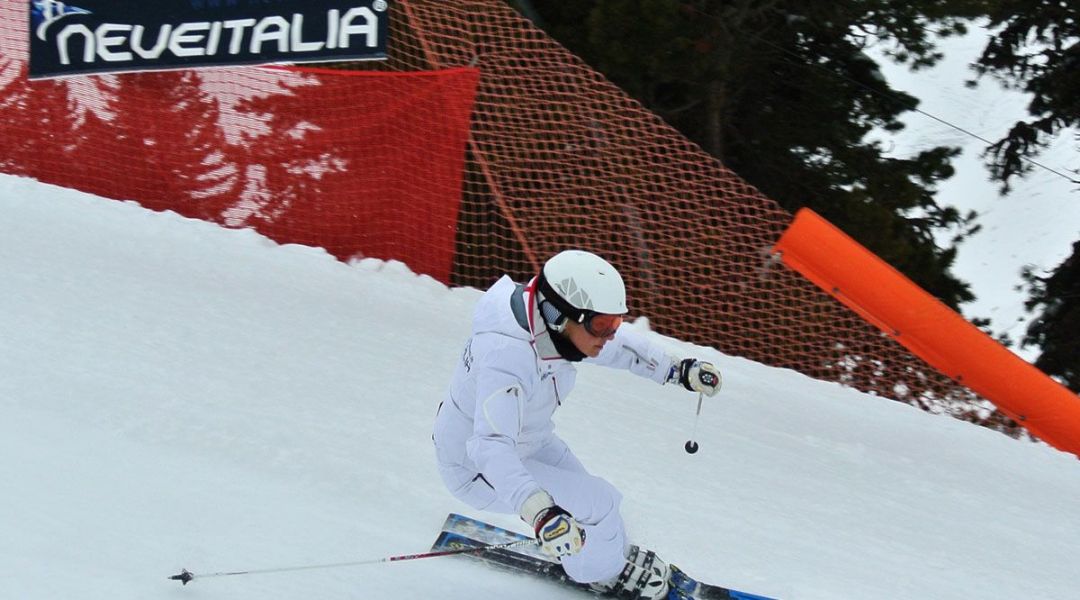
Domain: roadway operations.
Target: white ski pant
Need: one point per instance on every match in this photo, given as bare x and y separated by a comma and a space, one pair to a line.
592, 501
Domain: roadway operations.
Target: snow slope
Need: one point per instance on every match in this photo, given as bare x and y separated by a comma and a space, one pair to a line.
179, 395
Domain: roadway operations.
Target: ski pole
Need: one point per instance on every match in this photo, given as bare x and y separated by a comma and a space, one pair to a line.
186, 576
691, 445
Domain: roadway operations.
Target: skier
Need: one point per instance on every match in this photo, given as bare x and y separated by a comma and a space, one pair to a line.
494, 437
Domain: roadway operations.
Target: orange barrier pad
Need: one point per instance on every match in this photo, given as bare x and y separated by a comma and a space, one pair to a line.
930, 329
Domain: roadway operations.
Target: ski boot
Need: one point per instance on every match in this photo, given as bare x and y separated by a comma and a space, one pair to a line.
645, 577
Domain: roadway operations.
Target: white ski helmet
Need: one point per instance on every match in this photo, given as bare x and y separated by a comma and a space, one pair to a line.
575, 284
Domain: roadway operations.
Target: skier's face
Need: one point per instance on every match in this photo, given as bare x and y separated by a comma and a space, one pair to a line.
589, 344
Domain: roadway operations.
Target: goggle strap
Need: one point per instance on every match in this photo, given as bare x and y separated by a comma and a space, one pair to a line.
552, 315
551, 296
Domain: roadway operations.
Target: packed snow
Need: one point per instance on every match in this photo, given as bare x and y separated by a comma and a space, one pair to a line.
178, 395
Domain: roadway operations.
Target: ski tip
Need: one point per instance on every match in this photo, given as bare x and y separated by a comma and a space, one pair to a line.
184, 577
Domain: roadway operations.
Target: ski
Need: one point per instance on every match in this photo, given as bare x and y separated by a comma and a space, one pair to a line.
460, 532
508, 559
688, 587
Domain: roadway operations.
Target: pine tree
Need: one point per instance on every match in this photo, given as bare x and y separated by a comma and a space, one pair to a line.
15, 145
169, 130
1056, 329
37, 125
783, 94
1037, 49
295, 166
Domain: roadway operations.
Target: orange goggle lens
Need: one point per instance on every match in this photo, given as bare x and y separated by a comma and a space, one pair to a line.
602, 326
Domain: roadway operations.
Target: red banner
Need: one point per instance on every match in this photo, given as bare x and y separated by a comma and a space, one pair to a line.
363, 164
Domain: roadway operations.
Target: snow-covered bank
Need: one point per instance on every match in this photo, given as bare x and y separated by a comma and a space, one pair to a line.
179, 395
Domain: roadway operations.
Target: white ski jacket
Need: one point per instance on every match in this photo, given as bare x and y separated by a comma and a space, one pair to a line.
508, 384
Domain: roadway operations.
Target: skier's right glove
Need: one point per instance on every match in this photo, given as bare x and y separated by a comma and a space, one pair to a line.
696, 376
557, 532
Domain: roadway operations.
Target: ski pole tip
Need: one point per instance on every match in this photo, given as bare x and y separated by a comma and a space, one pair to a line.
183, 577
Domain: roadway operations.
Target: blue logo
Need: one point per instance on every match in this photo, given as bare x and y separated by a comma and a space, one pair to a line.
46, 12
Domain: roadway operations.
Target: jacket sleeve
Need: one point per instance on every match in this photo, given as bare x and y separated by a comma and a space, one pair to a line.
633, 352
497, 423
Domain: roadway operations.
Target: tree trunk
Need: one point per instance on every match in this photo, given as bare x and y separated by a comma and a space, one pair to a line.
714, 120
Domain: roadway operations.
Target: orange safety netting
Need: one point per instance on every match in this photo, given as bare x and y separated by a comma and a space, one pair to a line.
557, 157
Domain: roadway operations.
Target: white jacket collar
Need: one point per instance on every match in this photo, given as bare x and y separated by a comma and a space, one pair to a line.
538, 331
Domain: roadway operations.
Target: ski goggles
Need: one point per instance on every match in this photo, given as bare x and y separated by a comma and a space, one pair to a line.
601, 325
